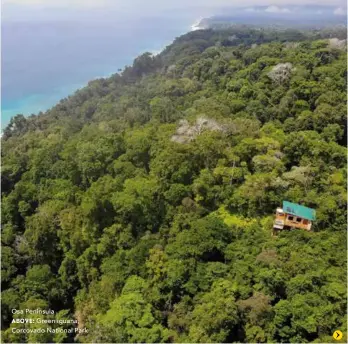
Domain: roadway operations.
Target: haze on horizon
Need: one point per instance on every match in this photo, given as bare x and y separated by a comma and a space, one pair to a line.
53, 9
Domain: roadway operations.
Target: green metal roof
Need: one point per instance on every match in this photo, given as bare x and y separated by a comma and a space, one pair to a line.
299, 210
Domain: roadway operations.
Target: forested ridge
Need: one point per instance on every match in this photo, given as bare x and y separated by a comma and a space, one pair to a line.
142, 205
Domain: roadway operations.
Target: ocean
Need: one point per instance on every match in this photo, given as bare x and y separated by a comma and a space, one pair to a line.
45, 61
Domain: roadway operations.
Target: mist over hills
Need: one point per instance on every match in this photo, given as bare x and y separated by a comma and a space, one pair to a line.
306, 16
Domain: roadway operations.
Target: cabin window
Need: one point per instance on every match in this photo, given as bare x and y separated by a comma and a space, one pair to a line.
290, 218
305, 222
298, 219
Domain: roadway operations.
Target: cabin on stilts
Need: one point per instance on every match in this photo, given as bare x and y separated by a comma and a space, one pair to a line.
293, 216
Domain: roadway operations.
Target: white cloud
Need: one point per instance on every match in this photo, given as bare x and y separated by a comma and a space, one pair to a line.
276, 9
339, 11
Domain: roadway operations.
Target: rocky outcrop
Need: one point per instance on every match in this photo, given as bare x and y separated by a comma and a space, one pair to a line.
186, 132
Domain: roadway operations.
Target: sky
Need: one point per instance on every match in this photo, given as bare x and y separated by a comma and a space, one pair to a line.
159, 3
31, 9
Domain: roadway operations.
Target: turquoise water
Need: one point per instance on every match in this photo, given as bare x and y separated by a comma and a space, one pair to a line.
34, 103
45, 62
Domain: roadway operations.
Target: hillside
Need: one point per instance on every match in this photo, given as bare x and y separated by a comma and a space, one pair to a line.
142, 205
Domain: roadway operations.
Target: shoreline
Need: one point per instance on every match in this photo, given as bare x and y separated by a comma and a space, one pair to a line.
196, 25
43, 102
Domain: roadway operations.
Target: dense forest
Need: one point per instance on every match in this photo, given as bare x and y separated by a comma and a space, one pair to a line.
142, 205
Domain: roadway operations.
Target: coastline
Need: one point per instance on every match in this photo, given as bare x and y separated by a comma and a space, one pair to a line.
197, 25
42, 102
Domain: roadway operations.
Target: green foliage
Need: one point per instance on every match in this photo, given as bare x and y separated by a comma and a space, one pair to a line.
142, 205
215, 314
